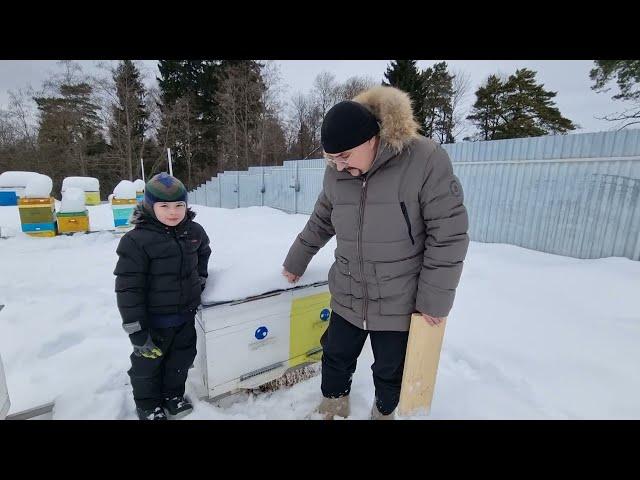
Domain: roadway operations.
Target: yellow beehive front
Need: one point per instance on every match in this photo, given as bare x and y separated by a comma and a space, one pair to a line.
72, 223
309, 320
92, 198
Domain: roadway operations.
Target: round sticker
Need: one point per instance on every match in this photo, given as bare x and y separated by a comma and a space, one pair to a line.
261, 333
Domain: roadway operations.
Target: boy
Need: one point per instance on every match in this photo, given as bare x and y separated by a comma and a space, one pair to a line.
160, 274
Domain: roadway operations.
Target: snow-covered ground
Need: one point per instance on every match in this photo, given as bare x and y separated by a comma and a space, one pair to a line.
531, 335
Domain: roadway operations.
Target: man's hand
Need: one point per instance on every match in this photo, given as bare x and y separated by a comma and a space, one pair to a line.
433, 321
291, 277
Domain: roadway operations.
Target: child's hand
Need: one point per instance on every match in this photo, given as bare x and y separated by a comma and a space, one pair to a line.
143, 346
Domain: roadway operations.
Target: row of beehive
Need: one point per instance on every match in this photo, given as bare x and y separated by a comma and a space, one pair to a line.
39, 218
13, 186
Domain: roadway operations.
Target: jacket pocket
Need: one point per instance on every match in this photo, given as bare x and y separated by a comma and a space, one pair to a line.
403, 207
340, 282
398, 285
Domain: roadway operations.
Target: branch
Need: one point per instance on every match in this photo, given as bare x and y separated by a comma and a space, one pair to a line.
627, 124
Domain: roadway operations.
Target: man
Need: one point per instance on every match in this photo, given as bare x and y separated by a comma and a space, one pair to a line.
392, 200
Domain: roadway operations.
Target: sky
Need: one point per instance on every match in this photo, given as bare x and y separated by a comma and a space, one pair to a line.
570, 78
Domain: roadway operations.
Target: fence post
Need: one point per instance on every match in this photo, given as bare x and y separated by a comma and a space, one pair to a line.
296, 188
262, 189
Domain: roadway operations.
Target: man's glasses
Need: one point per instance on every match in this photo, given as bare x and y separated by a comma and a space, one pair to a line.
338, 160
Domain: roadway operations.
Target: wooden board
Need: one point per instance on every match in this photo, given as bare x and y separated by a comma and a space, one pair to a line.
420, 366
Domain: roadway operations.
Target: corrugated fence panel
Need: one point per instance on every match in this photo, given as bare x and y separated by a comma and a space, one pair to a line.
310, 187
213, 193
229, 187
586, 209
198, 196
280, 189
250, 189
583, 145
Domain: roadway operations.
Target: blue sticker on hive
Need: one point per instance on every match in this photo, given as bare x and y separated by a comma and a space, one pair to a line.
261, 333
324, 315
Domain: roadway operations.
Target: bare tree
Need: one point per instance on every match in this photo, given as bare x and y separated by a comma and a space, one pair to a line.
307, 111
271, 141
23, 112
461, 89
124, 106
627, 76
353, 86
70, 73
239, 99
625, 118
326, 92
304, 125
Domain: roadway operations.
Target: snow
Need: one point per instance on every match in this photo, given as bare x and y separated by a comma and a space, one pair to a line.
531, 335
16, 179
72, 200
86, 184
125, 189
39, 186
139, 184
4, 394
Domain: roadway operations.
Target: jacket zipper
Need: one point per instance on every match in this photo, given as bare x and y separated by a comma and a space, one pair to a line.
175, 237
365, 299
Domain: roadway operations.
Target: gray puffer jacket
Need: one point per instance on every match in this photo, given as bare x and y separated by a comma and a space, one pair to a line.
401, 229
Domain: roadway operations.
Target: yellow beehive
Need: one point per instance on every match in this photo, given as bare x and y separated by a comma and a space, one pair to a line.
37, 216
73, 222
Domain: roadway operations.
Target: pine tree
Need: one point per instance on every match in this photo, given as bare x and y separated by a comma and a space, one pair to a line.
515, 108
530, 109
69, 131
129, 117
189, 115
438, 103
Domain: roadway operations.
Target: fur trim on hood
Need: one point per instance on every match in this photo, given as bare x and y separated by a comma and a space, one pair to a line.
392, 108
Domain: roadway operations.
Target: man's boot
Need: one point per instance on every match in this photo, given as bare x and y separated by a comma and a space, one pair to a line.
334, 407
376, 415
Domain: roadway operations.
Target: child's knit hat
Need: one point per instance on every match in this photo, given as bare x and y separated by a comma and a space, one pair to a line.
163, 188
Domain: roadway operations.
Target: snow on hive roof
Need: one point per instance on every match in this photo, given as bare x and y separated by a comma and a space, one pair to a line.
16, 179
39, 186
125, 189
73, 200
87, 184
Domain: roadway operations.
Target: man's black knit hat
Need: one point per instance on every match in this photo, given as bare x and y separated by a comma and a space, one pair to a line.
347, 125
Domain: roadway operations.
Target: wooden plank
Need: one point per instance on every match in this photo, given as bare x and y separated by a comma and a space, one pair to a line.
420, 366
32, 412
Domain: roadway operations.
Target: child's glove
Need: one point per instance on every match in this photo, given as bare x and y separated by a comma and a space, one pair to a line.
143, 346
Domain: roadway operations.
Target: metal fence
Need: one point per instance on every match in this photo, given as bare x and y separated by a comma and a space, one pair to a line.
575, 195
